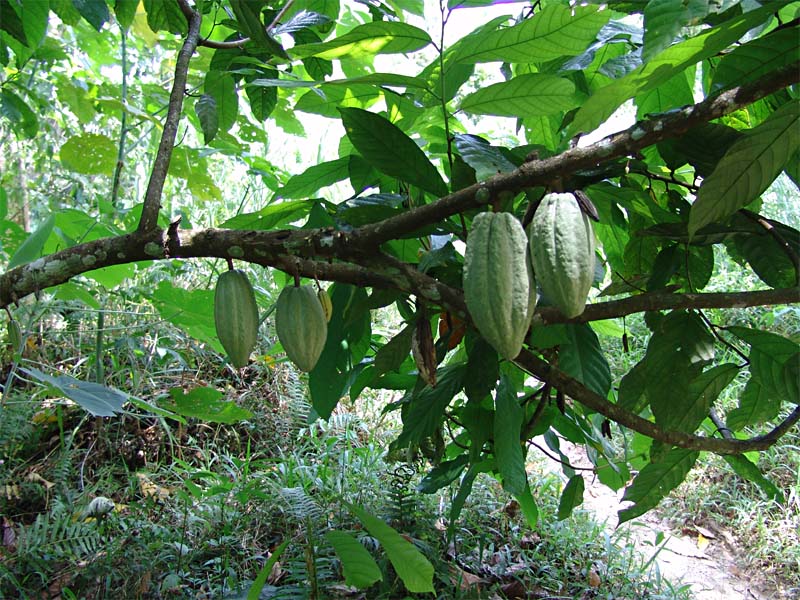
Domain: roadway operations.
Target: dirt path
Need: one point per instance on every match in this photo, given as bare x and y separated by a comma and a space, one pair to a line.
702, 557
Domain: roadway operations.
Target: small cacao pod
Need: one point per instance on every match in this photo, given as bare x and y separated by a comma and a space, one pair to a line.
562, 252
498, 287
301, 325
236, 316
327, 305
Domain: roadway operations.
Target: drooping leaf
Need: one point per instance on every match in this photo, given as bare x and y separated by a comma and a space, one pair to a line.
530, 94
391, 355
410, 564
582, 358
443, 474
125, 12
663, 20
89, 154
98, 400
665, 65
206, 110
359, 568
555, 32
165, 16
770, 354
390, 150
748, 168
743, 467
248, 16
632, 388
316, 177
426, 410
94, 11
485, 159
756, 58
379, 37
507, 428
571, 497
31, 248
220, 85
656, 480
11, 23
689, 410
767, 257
207, 404
756, 405
484, 369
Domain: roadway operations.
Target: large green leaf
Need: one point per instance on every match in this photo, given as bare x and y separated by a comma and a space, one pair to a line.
663, 20
743, 467
89, 154
756, 58
328, 99
688, 410
94, 11
426, 410
316, 177
387, 148
359, 568
571, 497
656, 480
553, 33
271, 216
530, 94
484, 369
191, 310
748, 168
666, 65
207, 404
31, 248
772, 357
485, 159
443, 474
379, 37
756, 405
391, 355
16, 110
583, 358
507, 427
98, 400
221, 86
410, 564
767, 256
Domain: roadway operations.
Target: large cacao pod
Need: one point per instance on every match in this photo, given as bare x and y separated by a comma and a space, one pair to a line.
562, 252
301, 325
236, 316
498, 286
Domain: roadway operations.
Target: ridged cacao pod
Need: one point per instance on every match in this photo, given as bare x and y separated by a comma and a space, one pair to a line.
236, 316
14, 335
562, 252
301, 325
498, 286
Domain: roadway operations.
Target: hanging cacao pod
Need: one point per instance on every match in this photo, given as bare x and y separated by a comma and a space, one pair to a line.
236, 316
301, 325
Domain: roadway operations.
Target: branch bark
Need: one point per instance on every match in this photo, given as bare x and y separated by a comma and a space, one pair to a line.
581, 394
158, 175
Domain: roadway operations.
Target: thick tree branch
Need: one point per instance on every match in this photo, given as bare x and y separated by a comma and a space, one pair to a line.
158, 175
581, 394
540, 172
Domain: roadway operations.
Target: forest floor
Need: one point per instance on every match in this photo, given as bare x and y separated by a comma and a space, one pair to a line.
701, 555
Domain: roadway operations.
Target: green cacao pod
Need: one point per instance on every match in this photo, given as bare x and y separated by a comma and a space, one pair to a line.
14, 335
562, 252
498, 286
301, 325
236, 316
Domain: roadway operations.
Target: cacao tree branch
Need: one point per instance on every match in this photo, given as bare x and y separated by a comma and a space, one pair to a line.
581, 394
540, 172
158, 174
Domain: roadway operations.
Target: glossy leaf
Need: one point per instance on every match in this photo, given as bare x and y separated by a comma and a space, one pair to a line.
582, 357
748, 168
530, 95
379, 37
485, 159
553, 33
410, 564
359, 568
571, 497
98, 400
271, 216
687, 411
507, 448
655, 481
390, 150
310, 181
663, 20
665, 65
757, 58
